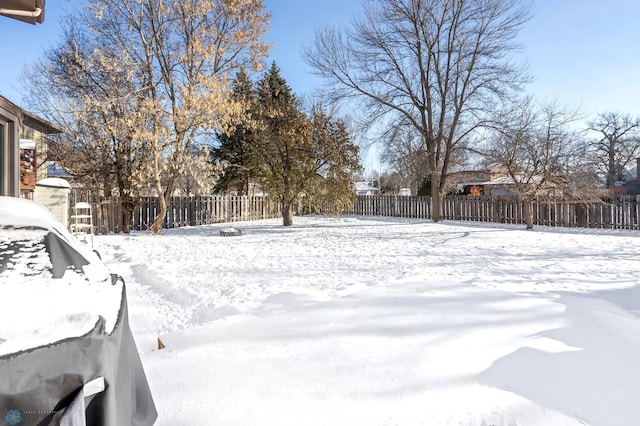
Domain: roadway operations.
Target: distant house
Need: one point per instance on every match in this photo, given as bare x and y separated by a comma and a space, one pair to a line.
55, 170
366, 188
476, 182
468, 182
626, 185
496, 183
23, 149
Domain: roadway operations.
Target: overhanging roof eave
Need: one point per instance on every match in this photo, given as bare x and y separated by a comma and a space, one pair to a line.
29, 11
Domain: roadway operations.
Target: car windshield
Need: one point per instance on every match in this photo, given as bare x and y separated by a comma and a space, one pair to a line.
23, 251
35, 251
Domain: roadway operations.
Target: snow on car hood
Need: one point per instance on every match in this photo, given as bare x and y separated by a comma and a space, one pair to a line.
52, 286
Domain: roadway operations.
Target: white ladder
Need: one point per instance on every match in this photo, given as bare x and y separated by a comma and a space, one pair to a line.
82, 222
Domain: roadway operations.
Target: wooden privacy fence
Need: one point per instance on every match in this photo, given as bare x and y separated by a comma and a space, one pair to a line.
183, 211
391, 205
619, 213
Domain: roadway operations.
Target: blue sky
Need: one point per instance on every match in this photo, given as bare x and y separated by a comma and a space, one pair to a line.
293, 25
584, 53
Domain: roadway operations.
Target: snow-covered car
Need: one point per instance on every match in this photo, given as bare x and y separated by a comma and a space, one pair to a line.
67, 355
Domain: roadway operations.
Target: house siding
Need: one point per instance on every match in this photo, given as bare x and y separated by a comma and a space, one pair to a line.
16, 124
10, 123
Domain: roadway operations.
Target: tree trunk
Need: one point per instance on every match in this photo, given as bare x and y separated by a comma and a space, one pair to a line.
245, 184
158, 221
611, 172
436, 198
528, 213
287, 214
163, 198
126, 207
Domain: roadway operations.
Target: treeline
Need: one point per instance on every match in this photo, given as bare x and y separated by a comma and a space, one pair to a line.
166, 97
144, 89
290, 153
439, 79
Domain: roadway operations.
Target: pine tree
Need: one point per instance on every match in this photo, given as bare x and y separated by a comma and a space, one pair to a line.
234, 149
282, 142
291, 154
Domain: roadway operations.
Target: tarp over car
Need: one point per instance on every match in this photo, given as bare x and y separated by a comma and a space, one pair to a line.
89, 376
41, 383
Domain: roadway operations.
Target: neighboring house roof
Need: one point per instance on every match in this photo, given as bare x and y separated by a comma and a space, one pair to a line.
40, 124
468, 175
474, 183
54, 183
27, 118
55, 169
365, 188
501, 180
10, 107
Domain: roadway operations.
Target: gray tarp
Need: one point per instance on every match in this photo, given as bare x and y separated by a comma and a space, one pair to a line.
37, 385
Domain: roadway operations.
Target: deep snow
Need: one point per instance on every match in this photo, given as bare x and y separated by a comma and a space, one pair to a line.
373, 321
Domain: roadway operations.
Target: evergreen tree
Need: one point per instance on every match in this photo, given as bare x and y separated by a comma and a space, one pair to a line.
425, 188
234, 149
272, 141
282, 142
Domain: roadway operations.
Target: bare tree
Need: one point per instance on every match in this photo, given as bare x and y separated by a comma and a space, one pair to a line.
184, 53
618, 144
98, 105
439, 64
200, 175
406, 156
536, 148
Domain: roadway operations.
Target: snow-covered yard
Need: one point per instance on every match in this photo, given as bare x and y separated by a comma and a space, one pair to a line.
371, 321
